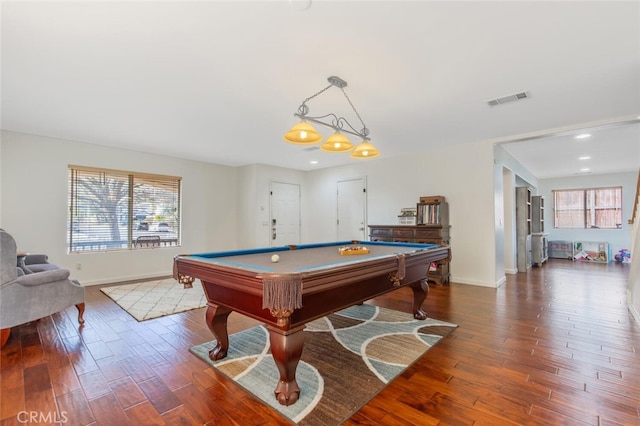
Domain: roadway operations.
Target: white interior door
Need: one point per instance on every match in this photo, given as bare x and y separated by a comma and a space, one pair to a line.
352, 202
285, 214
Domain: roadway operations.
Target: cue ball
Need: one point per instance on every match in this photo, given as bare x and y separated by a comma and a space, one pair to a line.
275, 258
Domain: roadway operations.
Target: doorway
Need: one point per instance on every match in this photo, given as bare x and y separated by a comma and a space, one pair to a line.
285, 214
352, 205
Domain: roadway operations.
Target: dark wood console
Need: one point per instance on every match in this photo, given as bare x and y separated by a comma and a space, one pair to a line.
432, 234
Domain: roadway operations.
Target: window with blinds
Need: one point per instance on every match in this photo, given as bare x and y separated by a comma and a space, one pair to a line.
118, 210
588, 208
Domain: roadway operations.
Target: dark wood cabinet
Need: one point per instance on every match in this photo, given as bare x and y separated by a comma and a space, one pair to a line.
430, 234
431, 226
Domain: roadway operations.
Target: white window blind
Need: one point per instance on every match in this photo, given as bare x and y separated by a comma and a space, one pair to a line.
118, 210
588, 208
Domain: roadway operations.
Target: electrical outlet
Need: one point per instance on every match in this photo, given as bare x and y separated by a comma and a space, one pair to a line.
78, 266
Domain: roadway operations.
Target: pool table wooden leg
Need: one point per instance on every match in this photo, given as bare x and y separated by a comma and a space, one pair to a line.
216, 318
420, 293
4, 336
286, 350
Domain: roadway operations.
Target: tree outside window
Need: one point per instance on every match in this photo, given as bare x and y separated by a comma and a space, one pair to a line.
116, 210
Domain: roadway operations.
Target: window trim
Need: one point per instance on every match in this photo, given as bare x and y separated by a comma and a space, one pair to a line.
140, 175
134, 178
585, 208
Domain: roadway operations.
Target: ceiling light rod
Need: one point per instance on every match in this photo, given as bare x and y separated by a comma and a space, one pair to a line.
303, 132
337, 123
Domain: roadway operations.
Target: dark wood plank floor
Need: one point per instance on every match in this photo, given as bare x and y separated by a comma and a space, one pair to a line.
555, 346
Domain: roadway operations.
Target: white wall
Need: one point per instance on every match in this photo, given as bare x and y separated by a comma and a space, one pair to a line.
34, 205
254, 228
1, 179
499, 223
245, 206
509, 214
633, 287
617, 238
523, 175
228, 208
463, 174
509, 174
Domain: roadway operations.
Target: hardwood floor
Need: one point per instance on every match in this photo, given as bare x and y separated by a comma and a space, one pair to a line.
555, 346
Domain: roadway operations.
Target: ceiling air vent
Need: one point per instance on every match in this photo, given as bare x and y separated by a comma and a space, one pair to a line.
511, 98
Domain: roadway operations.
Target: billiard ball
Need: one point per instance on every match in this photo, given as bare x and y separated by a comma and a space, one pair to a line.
275, 258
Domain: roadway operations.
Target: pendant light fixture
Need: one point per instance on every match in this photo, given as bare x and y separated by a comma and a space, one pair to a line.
337, 142
303, 133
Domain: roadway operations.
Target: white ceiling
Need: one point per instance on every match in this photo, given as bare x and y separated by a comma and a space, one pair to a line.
604, 149
219, 81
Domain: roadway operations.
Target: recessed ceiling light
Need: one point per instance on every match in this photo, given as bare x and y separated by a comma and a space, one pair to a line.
313, 162
582, 136
586, 169
584, 157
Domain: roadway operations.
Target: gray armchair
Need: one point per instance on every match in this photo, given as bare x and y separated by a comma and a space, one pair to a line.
32, 263
28, 297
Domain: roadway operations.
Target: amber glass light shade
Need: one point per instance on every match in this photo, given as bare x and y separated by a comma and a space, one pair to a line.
365, 150
337, 142
302, 133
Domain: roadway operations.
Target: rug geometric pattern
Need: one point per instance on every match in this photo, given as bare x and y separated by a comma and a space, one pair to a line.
156, 298
348, 358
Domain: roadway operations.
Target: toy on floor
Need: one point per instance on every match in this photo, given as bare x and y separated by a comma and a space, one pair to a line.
624, 255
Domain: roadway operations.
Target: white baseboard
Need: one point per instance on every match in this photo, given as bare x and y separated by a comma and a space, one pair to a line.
632, 309
116, 280
470, 281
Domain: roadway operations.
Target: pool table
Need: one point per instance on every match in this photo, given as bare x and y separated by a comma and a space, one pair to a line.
300, 284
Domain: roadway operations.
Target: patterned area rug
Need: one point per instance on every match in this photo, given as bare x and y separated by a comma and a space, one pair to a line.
156, 298
348, 358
